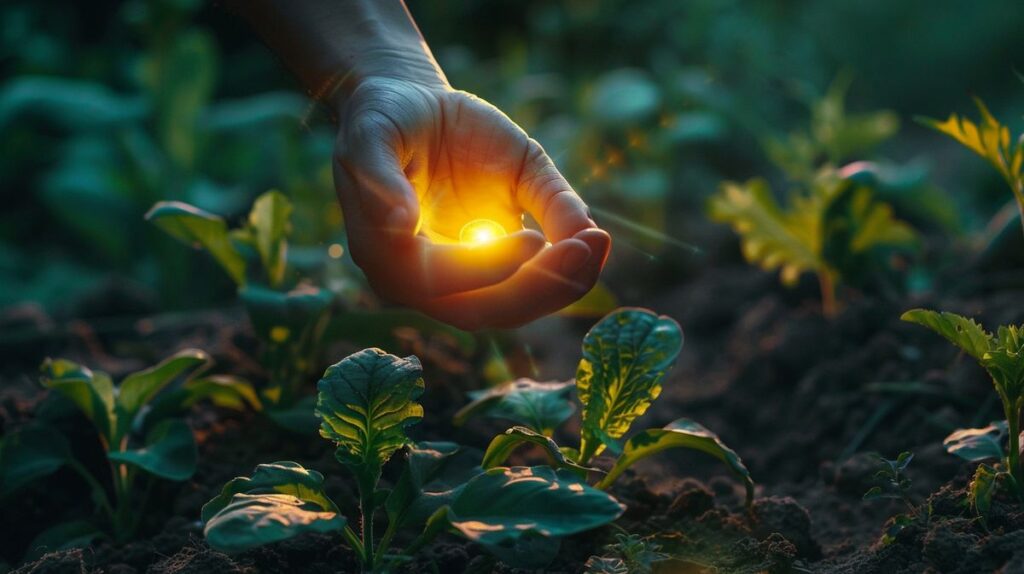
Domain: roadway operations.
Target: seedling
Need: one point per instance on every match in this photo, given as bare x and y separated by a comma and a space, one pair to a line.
289, 320
1001, 356
990, 140
895, 484
625, 356
630, 554
138, 429
830, 225
365, 404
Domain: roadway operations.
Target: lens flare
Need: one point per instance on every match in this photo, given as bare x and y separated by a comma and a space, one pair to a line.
481, 231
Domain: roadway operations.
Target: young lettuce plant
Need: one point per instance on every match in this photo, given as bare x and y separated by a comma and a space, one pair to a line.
289, 320
1002, 356
139, 430
831, 225
365, 404
625, 356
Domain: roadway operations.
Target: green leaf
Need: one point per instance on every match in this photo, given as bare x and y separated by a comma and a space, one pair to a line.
624, 358
270, 221
252, 520
869, 223
977, 444
138, 388
181, 79
62, 536
365, 403
875, 492
71, 104
434, 474
284, 318
844, 135
605, 565
283, 477
503, 505
170, 452
29, 454
299, 417
982, 488
773, 238
961, 331
680, 433
1005, 363
540, 406
200, 229
503, 445
92, 393
225, 391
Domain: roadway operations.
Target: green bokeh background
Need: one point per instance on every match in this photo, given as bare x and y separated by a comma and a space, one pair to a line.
107, 107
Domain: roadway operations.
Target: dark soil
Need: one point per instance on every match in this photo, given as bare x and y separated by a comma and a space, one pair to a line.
804, 400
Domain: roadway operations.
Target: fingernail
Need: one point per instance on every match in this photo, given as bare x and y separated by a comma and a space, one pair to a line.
398, 219
574, 259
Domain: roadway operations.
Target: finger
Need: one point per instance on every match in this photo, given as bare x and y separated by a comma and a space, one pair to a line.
547, 196
555, 278
409, 272
369, 153
448, 269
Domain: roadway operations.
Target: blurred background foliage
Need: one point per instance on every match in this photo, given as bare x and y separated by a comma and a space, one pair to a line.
107, 107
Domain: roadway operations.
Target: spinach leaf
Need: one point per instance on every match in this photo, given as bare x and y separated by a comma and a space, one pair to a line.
251, 520
624, 359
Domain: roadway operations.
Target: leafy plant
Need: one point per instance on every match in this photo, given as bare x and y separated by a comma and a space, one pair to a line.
289, 319
894, 484
625, 357
830, 224
990, 140
629, 554
1002, 357
138, 427
366, 402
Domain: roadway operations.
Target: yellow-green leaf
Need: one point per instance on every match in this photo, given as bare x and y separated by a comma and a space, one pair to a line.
270, 220
961, 331
200, 229
365, 403
681, 433
624, 359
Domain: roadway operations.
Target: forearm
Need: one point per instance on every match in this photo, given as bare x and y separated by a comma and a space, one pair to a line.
333, 45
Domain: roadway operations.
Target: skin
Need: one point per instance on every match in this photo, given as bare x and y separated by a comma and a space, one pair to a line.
415, 159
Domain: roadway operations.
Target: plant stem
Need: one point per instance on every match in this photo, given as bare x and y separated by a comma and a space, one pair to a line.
367, 485
1013, 424
357, 545
828, 294
385, 541
102, 498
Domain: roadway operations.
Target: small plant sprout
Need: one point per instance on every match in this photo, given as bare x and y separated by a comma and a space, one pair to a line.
894, 485
289, 319
990, 140
830, 225
138, 425
1002, 356
625, 357
366, 402
629, 554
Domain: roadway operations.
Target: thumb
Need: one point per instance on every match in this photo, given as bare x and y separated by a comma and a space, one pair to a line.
370, 155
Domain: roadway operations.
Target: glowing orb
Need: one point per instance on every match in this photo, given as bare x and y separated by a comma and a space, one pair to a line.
481, 231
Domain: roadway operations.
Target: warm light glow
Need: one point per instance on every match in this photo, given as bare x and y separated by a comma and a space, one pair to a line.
335, 251
480, 231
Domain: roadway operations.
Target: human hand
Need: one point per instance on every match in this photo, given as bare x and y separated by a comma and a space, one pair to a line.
416, 161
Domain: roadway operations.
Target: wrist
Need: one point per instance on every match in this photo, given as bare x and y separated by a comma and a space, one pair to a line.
381, 64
